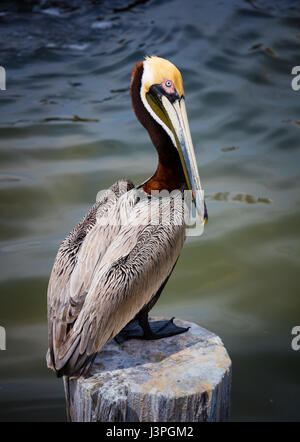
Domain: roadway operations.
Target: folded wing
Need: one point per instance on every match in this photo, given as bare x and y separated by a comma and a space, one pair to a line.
114, 273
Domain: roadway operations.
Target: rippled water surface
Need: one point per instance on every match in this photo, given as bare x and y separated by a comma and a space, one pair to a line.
67, 130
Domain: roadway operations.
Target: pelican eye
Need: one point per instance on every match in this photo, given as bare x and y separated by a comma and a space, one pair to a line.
168, 83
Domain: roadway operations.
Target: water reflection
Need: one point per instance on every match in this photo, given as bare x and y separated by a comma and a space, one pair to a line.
67, 130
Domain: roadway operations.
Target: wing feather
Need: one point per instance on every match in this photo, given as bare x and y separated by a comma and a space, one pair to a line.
63, 305
110, 285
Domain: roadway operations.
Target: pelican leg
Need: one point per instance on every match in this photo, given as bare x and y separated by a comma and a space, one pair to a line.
141, 328
130, 331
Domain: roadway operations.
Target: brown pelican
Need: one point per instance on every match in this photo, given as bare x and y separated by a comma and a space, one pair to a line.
108, 274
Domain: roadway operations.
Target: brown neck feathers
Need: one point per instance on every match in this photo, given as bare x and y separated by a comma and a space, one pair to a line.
169, 174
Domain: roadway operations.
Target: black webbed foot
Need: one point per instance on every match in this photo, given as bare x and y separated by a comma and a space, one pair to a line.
131, 331
163, 329
143, 329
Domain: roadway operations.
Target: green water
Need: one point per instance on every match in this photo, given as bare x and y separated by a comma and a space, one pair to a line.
241, 278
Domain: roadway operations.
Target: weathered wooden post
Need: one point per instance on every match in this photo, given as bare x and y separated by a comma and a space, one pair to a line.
184, 378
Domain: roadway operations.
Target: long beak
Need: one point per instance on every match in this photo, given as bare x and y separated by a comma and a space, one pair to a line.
176, 113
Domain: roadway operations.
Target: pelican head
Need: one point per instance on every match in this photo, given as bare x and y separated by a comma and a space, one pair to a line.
162, 94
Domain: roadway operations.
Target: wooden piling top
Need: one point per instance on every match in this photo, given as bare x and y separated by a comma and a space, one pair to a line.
183, 378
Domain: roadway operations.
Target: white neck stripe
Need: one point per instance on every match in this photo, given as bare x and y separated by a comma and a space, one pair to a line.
146, 76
